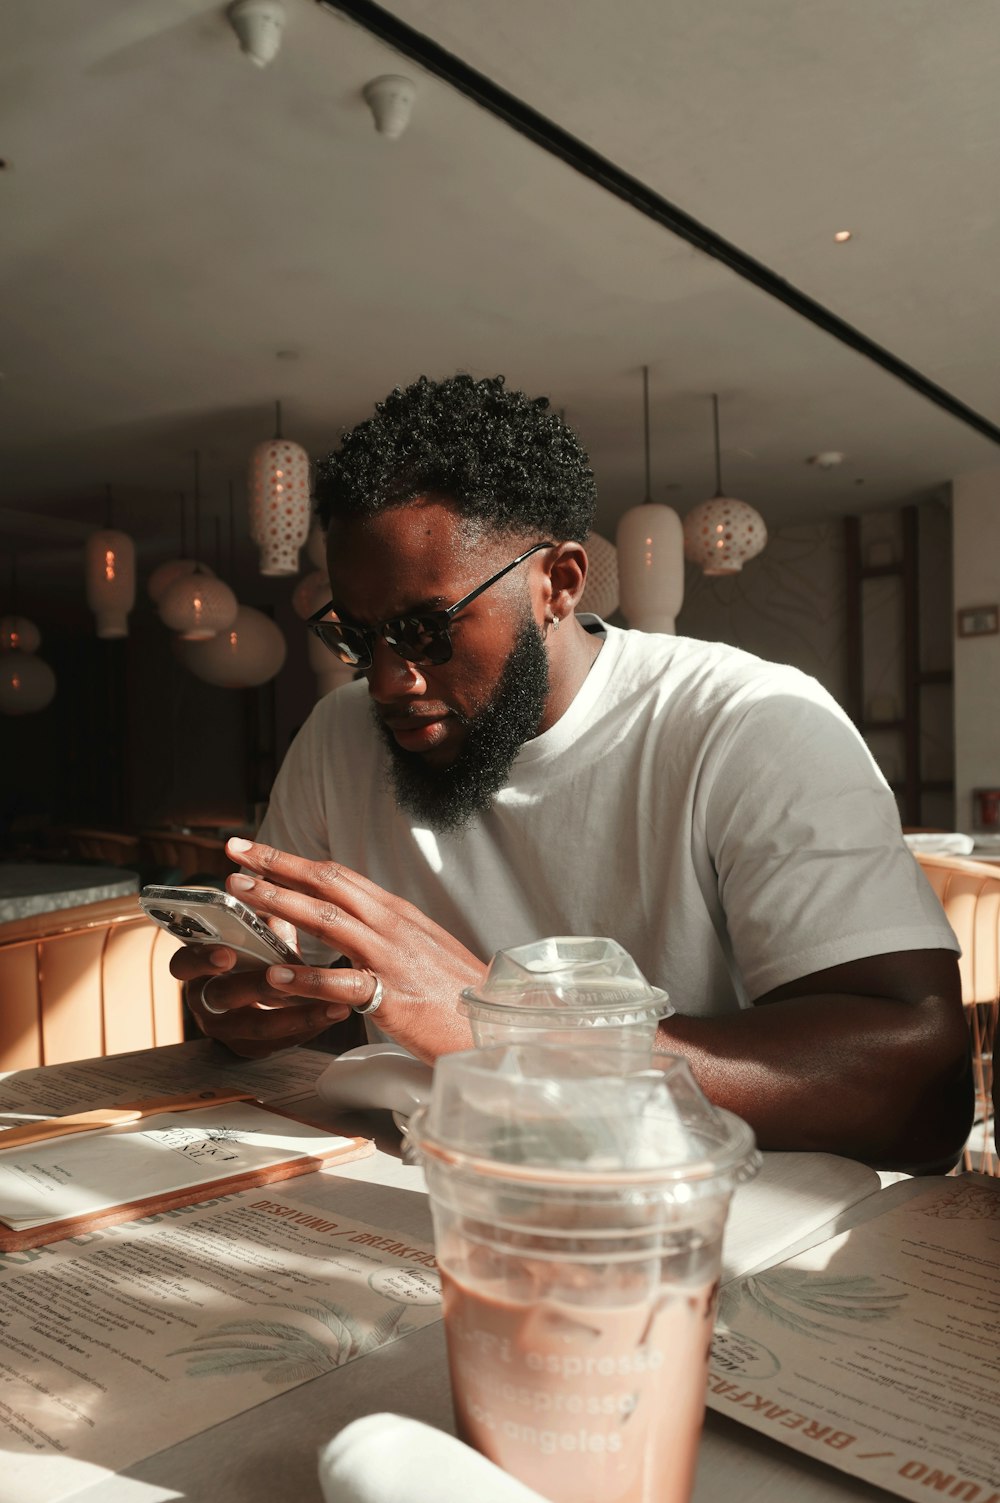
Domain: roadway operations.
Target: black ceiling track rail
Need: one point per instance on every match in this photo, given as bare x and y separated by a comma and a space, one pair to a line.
560, 143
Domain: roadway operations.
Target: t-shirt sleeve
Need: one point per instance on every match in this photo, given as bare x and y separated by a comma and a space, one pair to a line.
805, 838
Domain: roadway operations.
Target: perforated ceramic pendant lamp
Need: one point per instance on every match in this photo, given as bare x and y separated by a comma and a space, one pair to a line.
722, 533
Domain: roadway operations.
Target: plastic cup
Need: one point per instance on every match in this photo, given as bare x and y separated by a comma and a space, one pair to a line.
565, 990
578, 1218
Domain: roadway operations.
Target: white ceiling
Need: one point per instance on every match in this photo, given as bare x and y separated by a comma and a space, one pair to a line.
185, 238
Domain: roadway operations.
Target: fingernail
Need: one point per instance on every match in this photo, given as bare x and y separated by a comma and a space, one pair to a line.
237, 843
243, 884
280, 975
337, 1012
219, 957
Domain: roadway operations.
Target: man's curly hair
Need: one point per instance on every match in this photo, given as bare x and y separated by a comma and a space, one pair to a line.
504, 458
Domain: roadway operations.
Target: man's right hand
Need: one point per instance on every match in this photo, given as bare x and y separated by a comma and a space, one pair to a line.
237, 1007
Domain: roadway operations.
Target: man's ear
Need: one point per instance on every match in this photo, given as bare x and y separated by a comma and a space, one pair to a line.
566, 568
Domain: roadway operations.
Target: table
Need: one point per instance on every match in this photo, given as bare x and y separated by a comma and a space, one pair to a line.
269, 1452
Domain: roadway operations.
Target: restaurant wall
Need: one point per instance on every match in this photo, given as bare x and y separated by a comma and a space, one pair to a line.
789, 605
976, 513
132, 738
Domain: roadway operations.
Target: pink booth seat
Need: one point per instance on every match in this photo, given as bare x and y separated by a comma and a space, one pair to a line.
83, 982
969, 892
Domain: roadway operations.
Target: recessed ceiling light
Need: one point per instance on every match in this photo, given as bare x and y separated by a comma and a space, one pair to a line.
827, 459
842, 237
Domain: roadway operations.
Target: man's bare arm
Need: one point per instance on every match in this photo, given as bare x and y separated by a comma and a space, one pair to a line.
868, 1059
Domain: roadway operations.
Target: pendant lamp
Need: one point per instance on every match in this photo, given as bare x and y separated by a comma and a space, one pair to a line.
17, 633
248, 652
110, 571
650, 554
27, 684
164, 575
721, 534
310, 594
601, 592
197, 605
316, 545
279, 501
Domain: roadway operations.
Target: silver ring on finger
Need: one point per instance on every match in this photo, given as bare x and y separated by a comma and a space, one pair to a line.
375, 1001
203, 997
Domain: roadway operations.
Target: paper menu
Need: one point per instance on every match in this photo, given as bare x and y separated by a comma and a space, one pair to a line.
84, 1175
878, 1351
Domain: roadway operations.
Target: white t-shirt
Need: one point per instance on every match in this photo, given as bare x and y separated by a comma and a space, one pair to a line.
717, 815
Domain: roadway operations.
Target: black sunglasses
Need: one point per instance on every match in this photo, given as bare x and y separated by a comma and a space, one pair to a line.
423, 638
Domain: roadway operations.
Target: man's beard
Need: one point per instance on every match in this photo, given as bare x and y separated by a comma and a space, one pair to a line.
446, 798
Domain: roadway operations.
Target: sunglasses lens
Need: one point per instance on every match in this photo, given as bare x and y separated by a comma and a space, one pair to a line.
419, 639
348, 644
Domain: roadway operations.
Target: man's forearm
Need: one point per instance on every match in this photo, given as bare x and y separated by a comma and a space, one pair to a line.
875, 1079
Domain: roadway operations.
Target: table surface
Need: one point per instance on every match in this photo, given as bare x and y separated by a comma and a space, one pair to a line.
269, 1452
29, 888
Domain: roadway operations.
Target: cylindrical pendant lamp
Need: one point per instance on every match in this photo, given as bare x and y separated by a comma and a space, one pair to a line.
27, 684
651, 567
279, 502
650, 554
249, 652
110, 563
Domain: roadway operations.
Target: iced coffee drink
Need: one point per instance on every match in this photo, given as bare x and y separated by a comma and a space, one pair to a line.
596, 1402
578, 1213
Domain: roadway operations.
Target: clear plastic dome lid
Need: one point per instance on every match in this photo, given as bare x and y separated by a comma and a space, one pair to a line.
535, 1112
582, 977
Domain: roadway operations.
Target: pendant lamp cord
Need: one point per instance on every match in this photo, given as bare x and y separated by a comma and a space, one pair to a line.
197, 508
645, 429
183, 525
232, 532
277, 420
718, 447
109, 509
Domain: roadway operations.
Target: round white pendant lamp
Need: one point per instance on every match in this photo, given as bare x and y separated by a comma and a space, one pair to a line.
110, 566
195, 604
27, 684
198, 606
721, 534
164, 575
279, 502
600, 593
247, 653
650, 554
17, 633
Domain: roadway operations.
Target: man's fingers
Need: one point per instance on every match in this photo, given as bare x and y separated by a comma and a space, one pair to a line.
191, 961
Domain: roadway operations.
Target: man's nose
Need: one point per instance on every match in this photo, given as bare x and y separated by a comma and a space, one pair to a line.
391, 677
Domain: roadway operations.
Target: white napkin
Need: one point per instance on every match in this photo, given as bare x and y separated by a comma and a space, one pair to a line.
385, 1458
376, 1075
941, 845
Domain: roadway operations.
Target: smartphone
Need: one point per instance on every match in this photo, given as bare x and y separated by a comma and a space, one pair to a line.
206, 916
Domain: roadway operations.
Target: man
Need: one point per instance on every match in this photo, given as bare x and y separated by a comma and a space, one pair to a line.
509, 770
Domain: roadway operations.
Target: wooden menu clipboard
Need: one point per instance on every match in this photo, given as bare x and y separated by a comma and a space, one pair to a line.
134, 1210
